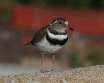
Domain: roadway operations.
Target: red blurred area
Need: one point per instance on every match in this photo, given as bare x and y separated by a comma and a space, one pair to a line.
85, 21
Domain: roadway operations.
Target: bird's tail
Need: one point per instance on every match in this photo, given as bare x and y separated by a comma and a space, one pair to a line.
29, 43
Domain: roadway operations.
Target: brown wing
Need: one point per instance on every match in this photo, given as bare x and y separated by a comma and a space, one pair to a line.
39, 35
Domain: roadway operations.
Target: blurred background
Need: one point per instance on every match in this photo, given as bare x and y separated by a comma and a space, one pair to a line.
20, 19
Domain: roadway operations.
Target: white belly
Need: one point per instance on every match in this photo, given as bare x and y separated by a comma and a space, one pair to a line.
46, 48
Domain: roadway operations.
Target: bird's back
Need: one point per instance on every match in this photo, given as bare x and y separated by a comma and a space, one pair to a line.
39, 35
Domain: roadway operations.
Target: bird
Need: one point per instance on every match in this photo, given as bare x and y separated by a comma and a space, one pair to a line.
51, 38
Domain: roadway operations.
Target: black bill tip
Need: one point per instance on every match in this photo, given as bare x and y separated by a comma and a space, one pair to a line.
71, 29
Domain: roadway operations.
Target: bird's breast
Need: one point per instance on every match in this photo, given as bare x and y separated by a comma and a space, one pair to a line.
51, 43
56, 39
45, 47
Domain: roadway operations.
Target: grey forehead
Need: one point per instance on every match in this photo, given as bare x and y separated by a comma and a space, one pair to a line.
59, 18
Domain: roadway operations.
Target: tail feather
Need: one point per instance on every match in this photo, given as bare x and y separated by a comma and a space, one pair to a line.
29, 43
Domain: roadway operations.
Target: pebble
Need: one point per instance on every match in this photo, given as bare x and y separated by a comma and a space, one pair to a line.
93, 74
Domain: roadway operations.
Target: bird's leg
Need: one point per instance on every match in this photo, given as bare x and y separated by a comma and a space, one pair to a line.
53, 63
42, 63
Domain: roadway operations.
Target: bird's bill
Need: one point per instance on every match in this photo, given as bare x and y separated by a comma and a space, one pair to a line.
71, 28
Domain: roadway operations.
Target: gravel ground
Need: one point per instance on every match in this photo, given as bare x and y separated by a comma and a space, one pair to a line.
94, 74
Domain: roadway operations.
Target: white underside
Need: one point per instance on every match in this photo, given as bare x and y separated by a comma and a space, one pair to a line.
46, 48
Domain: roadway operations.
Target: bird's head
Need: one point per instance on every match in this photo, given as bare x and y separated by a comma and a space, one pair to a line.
60, 24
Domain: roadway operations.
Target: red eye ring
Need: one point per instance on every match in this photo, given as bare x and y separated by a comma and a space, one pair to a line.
60, 22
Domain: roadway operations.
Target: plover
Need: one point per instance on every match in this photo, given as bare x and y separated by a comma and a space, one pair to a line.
51, 38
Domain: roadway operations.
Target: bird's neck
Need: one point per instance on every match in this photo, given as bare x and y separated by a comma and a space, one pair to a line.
57, 31
56, 38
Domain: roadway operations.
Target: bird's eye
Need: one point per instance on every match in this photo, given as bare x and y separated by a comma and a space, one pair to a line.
60, 22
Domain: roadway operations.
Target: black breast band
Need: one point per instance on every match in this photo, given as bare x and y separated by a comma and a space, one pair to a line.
56, 41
